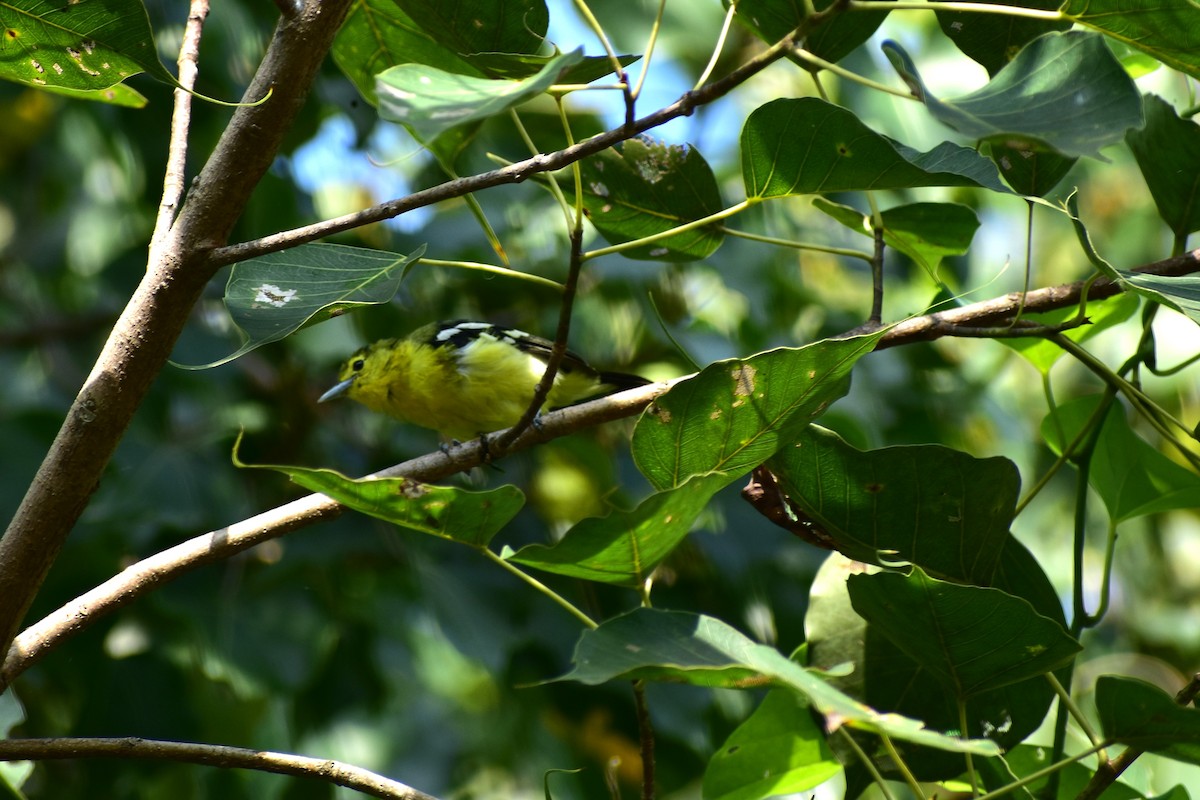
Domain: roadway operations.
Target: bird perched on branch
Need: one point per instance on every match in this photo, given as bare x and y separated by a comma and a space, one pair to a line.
463, 378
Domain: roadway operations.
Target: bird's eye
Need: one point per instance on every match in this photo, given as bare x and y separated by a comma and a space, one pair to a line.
358, 365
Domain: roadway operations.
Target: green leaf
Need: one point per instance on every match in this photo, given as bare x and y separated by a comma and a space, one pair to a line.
805, 145
516, 66
275, 295
1166, 29
651, 644
626, 546
1102, 315
1029, 172
468, 27
925, 232
735, 414
778, 750
993, 40
1024, 760
648, 187
429, 101
927, 504
1131, 477
1064, 92
1142, 715
116, 95
470, 518
832, 40
942, 627
1168, 154
86, 45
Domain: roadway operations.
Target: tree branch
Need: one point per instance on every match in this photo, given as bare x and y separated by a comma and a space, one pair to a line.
335, 772
142, 339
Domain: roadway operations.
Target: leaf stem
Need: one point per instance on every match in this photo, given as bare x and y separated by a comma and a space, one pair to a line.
541, 587
880, 782
720, 45
854, 77
913, 785
684, 228
818, 248
1076, 712
984, 8
508, 273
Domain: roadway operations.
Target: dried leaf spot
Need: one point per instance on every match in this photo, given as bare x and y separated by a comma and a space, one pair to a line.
844, 150
37, 66
874, 487
663, 415
12, 33
57, 68
658, 252
412, 490
668, 519
598, 189
716, 413
274, 296
88, 45
743, 380
73, 53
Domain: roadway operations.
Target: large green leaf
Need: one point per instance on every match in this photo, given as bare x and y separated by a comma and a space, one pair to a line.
468, 27
429, 100
1166, 29
1168, 154
735, 414
471, 518
972, 638
85, 45
993, 40
626, 546
778, 750
275, 295
925, 232
805, 145
1131, 477
1142, 715
1064, 92
677, 646
832, 40
928, 505
647, 187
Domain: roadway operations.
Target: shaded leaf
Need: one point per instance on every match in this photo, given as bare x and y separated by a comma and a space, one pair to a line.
941, 626
735, 414
673, 645
275, 295
1131, 477
648, 187
779, 749
1024, 760
1142, 715
626, 546
832, 40
1028, 171
1168, 154
467, 27
929, 505
429, 101
805, 145
1166, 29
993, 40
86, 45
118, 94
1064, 92
471, 518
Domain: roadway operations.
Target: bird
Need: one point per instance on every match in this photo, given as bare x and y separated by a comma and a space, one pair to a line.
465, 379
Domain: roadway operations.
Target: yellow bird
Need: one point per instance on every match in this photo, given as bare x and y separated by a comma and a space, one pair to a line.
463, 378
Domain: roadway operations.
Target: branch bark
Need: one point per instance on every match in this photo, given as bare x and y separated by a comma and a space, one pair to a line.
154, 571
335, 772
142, 339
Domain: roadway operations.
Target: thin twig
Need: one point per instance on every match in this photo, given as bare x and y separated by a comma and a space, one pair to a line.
328, 770
646, 739
181, 123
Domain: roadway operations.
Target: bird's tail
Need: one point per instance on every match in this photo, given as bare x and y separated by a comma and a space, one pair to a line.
620, 381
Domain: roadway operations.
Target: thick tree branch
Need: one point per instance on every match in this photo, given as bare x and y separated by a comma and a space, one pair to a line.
154, 571
142, 339
335, 772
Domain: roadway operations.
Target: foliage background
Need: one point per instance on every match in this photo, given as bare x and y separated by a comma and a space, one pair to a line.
357, 641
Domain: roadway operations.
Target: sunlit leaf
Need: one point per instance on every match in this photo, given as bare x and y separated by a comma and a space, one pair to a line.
938, 624
805, 145
275, 295
678, 646
1166, 29
86, 45
925, 232
735, 414
429, 101
1141, 715
447, 512
626, 546
1064, 92
925, 504
778, 750
1168, 154
647, 187
1101, 314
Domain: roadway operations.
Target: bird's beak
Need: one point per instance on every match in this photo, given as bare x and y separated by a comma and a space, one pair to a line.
338, 390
